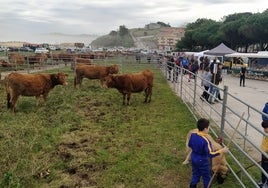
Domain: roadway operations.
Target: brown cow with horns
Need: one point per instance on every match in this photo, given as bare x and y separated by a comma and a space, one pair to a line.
17, 84
131, 83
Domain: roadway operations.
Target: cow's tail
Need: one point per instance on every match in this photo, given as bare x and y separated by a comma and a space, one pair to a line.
8, 94
75, 80
8, 101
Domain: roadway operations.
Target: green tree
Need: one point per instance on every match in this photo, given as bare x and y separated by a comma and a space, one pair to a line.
123, 30
255, 29
199, 35
113, 33
231, 33
163, 24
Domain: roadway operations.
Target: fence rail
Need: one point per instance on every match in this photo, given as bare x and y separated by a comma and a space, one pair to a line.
245, 152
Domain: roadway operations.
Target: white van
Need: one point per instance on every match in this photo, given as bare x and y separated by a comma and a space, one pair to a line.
41, 50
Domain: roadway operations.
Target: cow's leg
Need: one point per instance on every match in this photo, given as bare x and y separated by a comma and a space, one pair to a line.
80, 81
128, 98
124, 98
187, 159
13, 101
77, 80
101, 81
45, 97
37, 100
146, 95
149, 93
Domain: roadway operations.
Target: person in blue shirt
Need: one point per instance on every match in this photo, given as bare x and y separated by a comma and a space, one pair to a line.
201, 152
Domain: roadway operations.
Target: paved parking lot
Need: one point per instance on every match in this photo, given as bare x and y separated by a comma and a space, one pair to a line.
254, 93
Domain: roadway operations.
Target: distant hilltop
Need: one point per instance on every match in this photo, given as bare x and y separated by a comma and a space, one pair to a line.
51, 38
72, 35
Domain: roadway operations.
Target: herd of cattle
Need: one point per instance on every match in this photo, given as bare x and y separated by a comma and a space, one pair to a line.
17, 59
40, 84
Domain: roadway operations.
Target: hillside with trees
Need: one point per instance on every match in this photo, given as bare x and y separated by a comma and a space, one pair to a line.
124, 36
243, 32
121, 37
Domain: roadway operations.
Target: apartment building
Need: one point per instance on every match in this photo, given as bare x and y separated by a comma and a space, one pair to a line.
168, 37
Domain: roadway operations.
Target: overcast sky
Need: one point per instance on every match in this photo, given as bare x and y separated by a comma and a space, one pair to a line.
30, 19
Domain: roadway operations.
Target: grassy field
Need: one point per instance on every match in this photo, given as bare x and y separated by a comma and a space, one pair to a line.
86, 138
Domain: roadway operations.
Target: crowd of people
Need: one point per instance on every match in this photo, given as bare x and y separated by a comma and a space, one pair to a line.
211, 73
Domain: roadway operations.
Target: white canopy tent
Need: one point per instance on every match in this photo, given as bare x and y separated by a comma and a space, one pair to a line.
249, 55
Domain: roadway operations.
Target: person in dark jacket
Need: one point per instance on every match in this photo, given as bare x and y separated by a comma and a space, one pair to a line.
195, 68
206, 79
216, 79
243, 75
170, 66
201, 152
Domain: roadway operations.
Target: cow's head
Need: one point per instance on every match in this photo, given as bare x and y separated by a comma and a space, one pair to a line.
221, 174
107, 81
114, 69
221, 178
60, 79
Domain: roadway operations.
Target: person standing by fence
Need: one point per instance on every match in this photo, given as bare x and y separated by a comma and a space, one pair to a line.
170, 66
206, 79
216, 79
195, 68
243, 75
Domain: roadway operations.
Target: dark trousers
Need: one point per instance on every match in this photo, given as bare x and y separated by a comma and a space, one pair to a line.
264, 165
205, 92
200, 168
242, 79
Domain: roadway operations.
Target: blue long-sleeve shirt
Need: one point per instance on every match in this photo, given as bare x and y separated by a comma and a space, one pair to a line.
201, 147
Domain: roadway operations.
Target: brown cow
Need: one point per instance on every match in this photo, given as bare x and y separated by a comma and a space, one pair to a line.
17, 84
79, 61
128, 83
39, 58
16, 59
83, 60
93, 72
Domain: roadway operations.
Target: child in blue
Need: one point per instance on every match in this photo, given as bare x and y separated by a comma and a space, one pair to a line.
264, 147
201, 152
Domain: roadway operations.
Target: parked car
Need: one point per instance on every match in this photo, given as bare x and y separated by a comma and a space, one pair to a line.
41, 50
26, 49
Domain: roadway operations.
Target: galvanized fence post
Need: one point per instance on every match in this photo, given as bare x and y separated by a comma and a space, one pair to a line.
181, 82
195, 83
224, 103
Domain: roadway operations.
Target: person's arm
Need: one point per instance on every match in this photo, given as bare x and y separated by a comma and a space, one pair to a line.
217, 152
